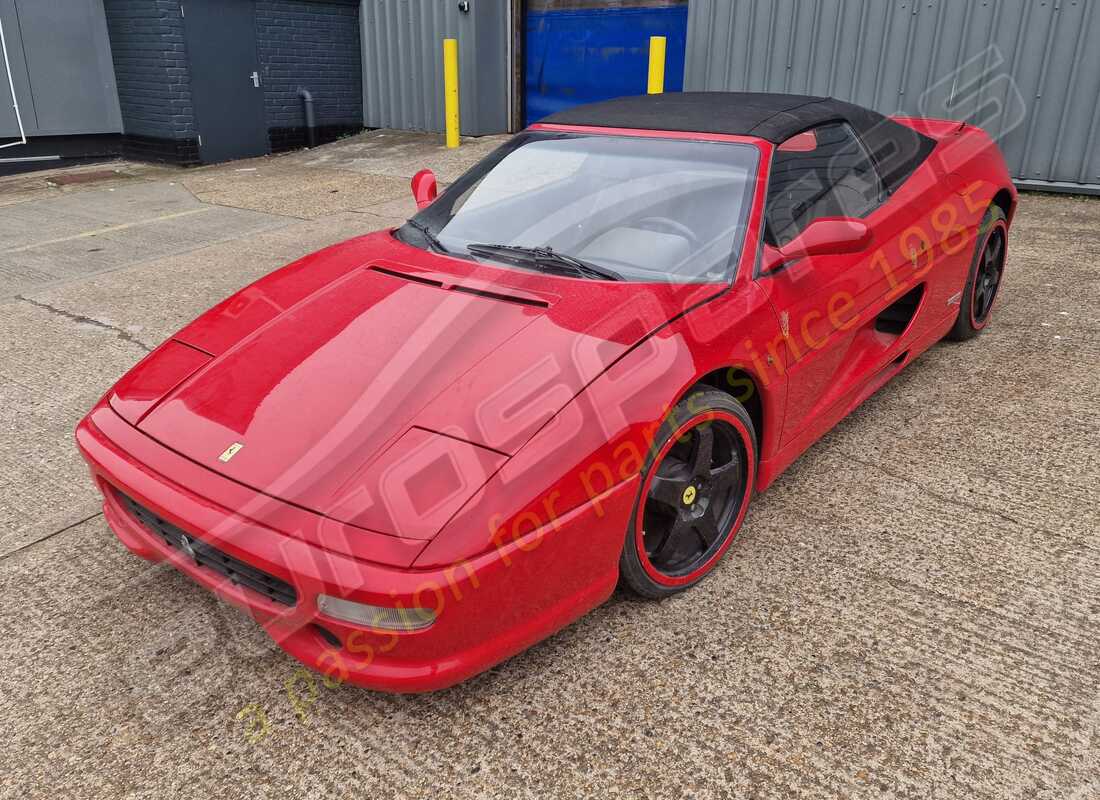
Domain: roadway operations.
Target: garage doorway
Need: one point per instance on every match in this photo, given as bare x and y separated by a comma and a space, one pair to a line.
225, 79
582, 51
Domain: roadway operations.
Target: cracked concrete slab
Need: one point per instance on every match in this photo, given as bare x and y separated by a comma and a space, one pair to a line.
912, 610
280, 185
20, 276
401, 154
34, 223
61, 348
154, 299
402, 208
83, 321
39, 184
78, 234
52, 369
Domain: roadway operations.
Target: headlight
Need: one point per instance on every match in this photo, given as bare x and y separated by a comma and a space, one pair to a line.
418, 484
143, 387
390, 619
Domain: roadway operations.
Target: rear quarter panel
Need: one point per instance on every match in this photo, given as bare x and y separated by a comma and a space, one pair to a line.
970, 161
962, 177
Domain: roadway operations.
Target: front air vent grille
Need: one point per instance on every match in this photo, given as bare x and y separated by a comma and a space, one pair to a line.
507, 298
406, 276
487, 293
209, 557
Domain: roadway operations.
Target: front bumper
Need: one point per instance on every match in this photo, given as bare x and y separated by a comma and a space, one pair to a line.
488, 608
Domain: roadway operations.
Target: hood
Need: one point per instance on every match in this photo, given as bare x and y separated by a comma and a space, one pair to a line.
384, 362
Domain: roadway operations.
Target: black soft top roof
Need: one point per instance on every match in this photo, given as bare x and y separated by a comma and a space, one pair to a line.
896, 148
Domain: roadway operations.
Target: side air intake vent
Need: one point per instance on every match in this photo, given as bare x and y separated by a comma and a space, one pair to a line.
895, 318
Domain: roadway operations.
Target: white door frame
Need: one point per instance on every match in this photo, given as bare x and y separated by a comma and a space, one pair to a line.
11, 87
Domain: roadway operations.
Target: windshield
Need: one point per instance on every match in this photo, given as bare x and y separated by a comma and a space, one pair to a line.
642, 209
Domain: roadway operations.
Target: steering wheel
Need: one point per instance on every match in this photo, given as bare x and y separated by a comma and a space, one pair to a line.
666, 225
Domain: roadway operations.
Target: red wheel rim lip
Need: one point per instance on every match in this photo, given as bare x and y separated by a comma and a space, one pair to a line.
750, 480
974, 323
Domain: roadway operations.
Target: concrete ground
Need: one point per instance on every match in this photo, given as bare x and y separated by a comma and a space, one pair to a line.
913, 610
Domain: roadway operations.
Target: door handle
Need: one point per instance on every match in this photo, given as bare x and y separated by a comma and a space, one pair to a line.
915, 256
255, 76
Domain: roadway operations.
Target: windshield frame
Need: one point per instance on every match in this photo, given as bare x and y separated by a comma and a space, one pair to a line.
438, 213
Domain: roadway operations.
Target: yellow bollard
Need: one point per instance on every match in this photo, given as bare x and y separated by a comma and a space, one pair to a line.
450, 90
656, 64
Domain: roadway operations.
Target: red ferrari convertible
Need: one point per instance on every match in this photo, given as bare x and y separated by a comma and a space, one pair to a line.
415, 453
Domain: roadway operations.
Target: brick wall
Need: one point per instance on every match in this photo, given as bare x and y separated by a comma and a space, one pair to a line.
313, 44
151, 71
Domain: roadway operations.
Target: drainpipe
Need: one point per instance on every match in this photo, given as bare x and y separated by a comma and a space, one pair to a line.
311, 119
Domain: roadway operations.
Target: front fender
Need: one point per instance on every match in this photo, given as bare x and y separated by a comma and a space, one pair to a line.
600, 439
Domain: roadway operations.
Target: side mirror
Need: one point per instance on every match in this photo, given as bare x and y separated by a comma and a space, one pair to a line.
828, 236
424, 188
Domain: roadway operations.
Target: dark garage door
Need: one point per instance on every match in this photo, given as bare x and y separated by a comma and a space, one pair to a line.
225, 78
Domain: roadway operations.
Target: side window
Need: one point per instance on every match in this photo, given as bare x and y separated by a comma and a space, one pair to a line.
822, 172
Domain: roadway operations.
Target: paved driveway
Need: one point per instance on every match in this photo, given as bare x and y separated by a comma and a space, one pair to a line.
912, 610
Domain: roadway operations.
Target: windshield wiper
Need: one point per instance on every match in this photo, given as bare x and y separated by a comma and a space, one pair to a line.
544, 257
431, 237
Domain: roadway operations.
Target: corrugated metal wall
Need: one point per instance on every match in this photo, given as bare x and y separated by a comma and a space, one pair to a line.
403, 63
1028, 71
61, 68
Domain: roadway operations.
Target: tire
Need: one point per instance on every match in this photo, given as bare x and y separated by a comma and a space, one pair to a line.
693, 496
983, 280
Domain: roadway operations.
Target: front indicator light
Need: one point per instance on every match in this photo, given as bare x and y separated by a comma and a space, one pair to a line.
390, 619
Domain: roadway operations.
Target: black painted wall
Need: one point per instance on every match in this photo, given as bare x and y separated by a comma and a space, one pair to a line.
312, 44
154, 91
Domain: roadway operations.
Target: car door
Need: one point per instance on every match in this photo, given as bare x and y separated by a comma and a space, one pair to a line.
822, 301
